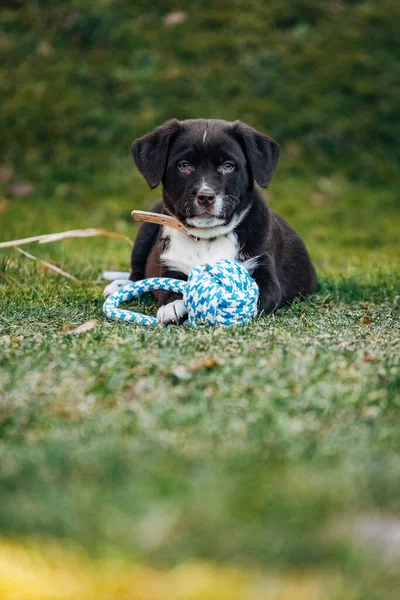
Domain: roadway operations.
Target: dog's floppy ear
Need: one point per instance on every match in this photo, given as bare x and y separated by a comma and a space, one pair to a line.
150, 152
261, 151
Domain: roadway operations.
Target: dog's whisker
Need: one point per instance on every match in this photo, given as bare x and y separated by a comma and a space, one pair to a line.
231, 196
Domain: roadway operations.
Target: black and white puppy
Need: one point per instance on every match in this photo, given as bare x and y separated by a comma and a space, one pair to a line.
208, 169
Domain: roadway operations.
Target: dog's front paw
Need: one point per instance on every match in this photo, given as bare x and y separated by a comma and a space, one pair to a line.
174, 312
116, 285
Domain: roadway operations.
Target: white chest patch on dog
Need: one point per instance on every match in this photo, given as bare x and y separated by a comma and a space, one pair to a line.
185, 252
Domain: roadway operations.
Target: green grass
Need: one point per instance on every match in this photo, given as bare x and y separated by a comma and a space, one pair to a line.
269, 458
257, 460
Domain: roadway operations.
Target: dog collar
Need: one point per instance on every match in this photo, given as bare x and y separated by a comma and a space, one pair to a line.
194, 237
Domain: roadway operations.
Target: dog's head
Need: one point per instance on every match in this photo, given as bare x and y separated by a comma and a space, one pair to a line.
206, 166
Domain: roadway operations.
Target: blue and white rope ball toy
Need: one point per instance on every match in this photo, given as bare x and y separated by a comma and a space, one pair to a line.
221, 293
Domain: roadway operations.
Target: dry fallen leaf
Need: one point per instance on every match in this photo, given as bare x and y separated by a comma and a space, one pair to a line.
364, 320
208, 362
81, 328
175, 18
185, 372
370, 358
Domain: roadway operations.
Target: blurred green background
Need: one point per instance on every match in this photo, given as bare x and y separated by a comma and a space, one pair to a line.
268, 457
80, 80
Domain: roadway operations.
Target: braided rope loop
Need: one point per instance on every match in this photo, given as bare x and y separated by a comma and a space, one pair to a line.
221, 293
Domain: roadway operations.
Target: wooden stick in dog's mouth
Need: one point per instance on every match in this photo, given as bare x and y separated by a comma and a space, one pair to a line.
150, 217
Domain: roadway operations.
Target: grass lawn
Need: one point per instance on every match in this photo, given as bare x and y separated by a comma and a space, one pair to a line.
264, 463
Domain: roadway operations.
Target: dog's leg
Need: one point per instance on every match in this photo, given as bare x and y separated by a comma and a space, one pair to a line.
171, 307
270, 297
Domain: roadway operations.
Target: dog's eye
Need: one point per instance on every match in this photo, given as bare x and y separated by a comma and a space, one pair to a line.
184, 165
228, 166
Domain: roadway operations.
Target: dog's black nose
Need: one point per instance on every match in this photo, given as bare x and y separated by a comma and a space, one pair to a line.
205, 197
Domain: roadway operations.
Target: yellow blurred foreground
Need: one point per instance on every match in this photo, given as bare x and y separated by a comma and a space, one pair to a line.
52, 572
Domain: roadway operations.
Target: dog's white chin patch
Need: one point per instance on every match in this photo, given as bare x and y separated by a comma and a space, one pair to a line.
215, 230
204, 222
173, 312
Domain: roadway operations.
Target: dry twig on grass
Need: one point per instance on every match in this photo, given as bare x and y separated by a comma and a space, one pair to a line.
47, 265
73, 233
55, 237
